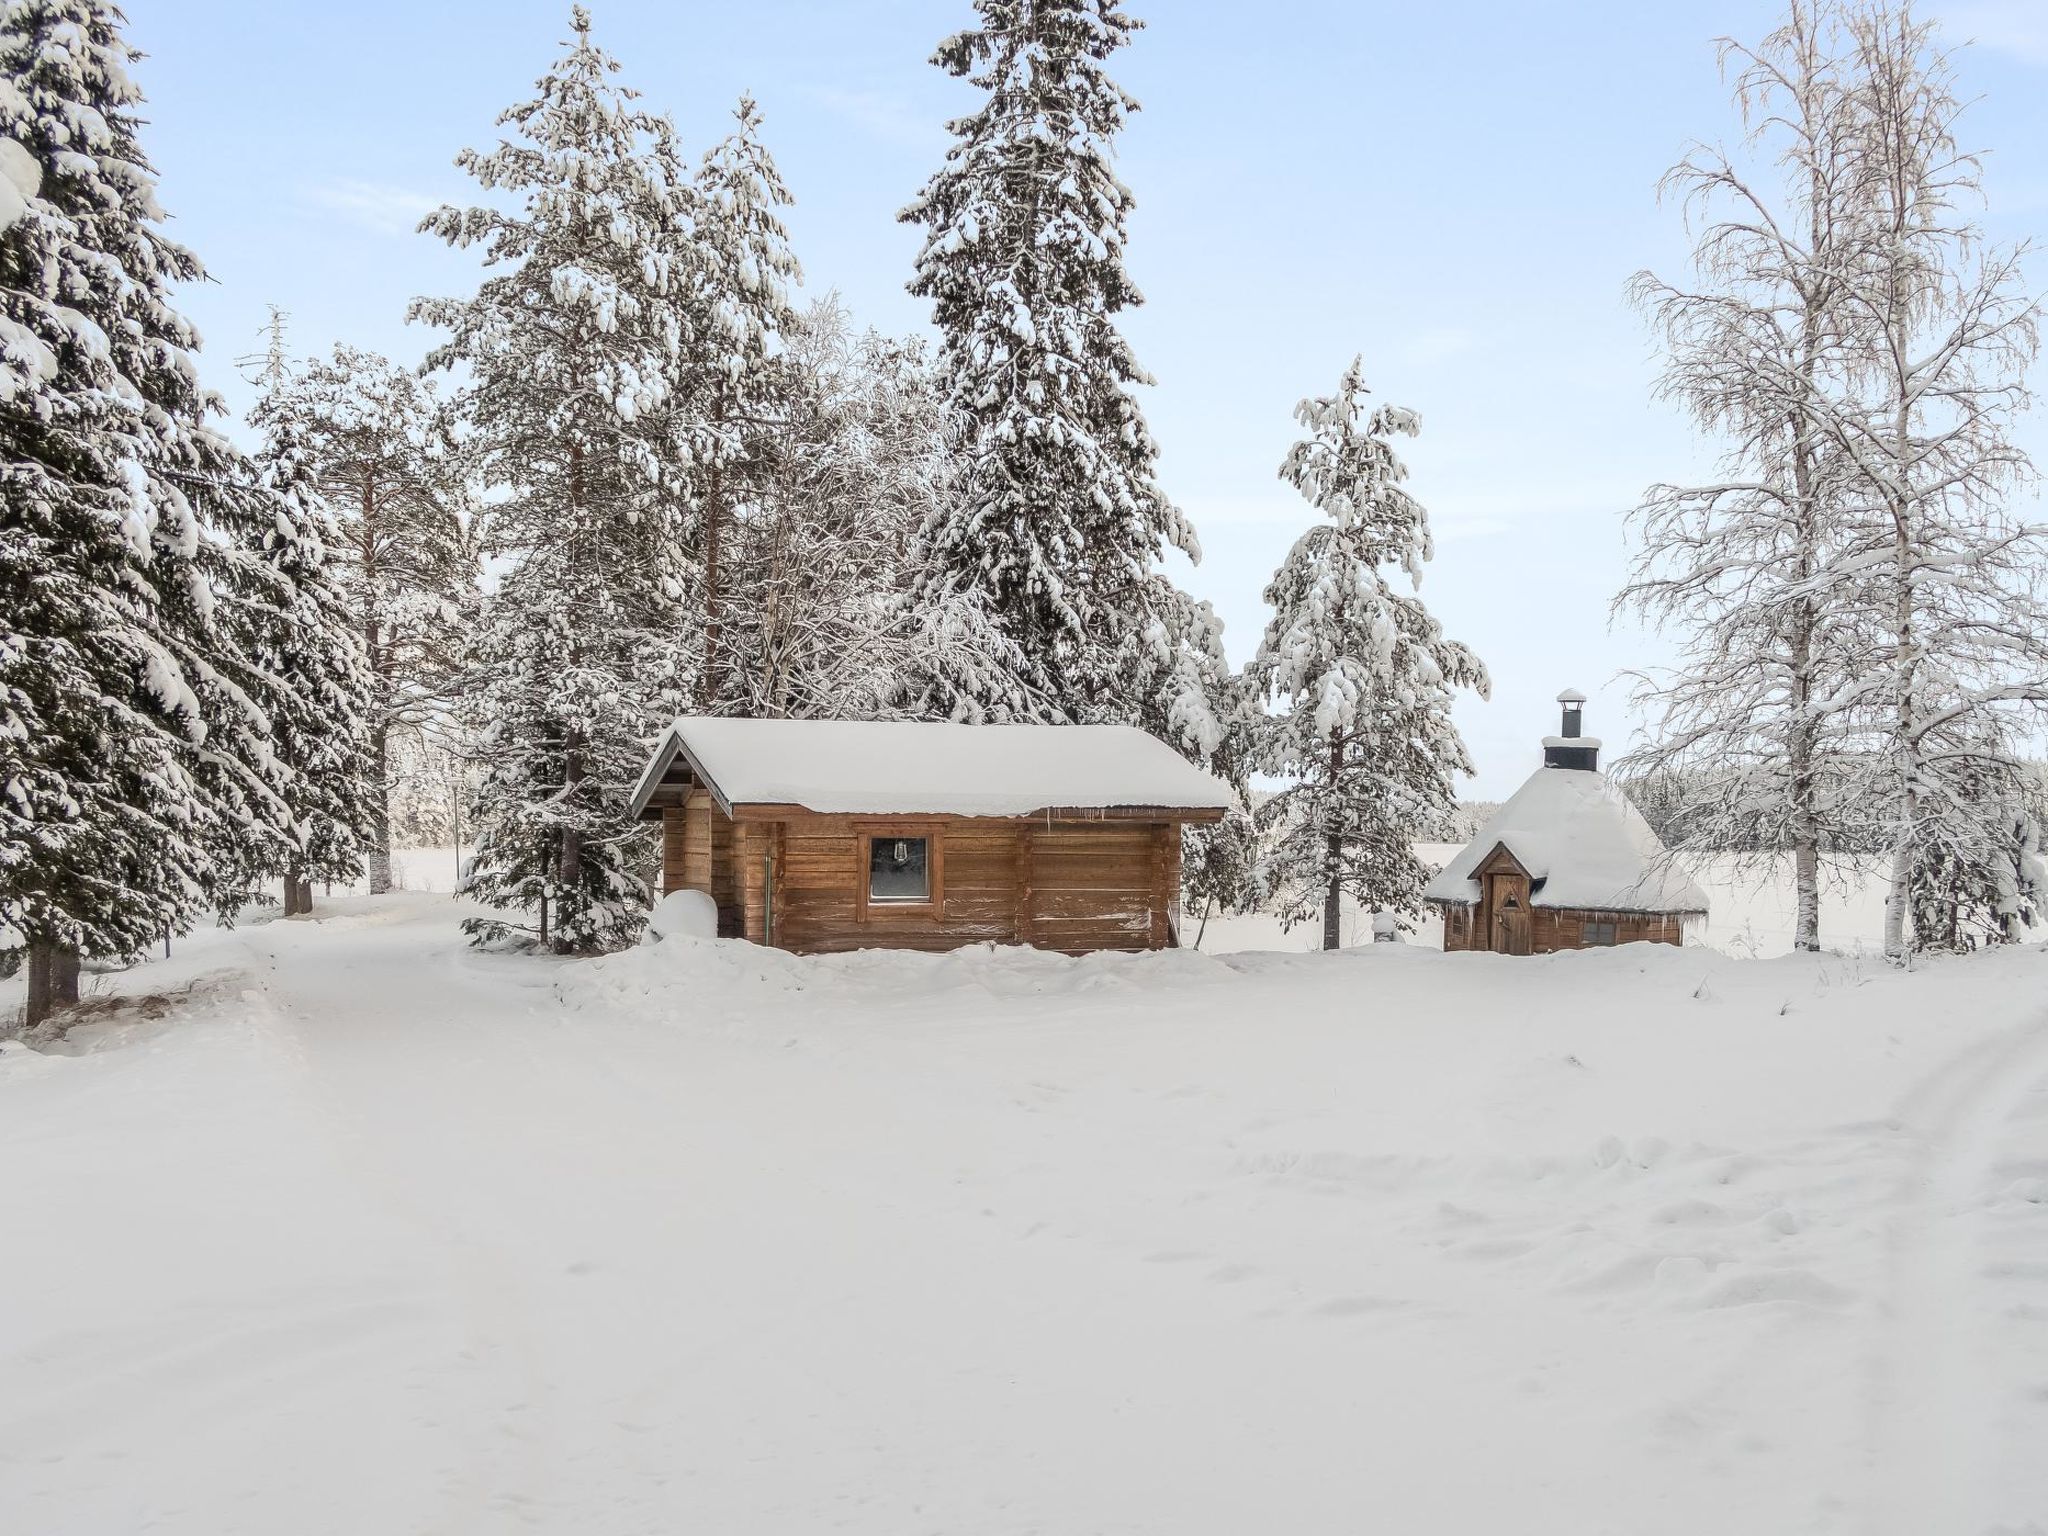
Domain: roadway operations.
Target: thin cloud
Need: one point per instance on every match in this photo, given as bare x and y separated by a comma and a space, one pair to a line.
1439, 345
382, 209
884, 115
2017, 27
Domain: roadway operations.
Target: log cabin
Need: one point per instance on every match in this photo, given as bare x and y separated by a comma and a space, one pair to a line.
1567, 863
824, 835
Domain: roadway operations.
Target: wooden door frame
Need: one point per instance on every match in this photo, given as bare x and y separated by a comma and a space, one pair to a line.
1501, 864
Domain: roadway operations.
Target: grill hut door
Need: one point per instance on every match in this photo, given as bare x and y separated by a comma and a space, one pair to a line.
1510, 904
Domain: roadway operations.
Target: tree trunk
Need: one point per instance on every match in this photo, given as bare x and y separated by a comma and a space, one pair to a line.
1803, 741
41, 998
1806, 882
64, 966
380, 808
1907, 844
714, 520
1333, 862
1805, 815
52, 981
1333, 893
569, 861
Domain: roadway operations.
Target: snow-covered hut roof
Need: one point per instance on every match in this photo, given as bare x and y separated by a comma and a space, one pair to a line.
1583, 844
859, 767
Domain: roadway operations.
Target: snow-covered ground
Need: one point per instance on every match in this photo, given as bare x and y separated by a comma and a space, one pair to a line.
361, 1231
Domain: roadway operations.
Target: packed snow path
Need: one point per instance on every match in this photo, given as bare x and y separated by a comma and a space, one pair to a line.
1964, 1441
368, 1232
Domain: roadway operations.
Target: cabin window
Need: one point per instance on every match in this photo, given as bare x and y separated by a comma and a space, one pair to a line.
1597, 933
899, 869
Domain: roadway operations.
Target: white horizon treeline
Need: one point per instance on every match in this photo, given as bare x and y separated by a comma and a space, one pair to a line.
1864, 636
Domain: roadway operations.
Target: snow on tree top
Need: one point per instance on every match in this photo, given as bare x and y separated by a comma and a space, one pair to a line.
1583, 844
855, 767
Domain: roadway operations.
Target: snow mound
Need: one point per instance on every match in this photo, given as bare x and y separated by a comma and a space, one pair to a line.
683, 915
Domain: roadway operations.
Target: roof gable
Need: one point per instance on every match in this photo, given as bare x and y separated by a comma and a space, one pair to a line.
1500, 861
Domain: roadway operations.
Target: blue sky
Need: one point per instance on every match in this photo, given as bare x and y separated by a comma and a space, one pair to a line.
1458, 191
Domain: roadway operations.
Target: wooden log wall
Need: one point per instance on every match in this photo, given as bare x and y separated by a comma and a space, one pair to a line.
697, 855
1067, 885
1558, 928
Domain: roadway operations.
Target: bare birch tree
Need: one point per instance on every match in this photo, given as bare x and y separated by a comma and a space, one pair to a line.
1745, 568
1938, 332
1863, 626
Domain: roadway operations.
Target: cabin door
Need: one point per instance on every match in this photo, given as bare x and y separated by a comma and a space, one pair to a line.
1510, 903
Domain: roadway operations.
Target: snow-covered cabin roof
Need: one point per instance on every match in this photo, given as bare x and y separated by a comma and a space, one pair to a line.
1583, 844
859, 767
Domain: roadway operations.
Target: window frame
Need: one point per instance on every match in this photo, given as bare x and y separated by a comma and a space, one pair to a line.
932, 908
1586, 939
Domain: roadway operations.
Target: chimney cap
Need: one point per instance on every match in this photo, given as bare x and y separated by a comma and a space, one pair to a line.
1571, 696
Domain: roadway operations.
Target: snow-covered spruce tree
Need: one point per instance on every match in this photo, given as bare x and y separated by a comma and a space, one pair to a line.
128, 749
390, 467
1362, 674
1747, 570
746, 267
1980, 878
579, 350
541, 706
1223, 864
1938, 332
1058, 524
311, 673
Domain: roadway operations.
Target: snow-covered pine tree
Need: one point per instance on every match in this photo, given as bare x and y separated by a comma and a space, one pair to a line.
1362, 673
127, 748
743, 381
1746, 570
391, 469
1058, 524
578, 347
